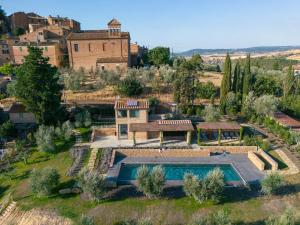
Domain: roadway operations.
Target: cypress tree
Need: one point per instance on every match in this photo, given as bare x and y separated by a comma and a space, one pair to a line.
288, 83
236, 78
226, 83
247, 77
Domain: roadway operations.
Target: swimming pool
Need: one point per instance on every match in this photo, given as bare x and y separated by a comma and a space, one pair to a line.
176, 172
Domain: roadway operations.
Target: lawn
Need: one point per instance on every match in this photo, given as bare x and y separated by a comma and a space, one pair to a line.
243, 205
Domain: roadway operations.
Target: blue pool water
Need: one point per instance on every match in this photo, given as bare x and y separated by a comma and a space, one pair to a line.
176, 172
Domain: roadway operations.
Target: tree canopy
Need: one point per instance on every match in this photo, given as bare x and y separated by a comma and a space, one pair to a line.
159, 56
37, 87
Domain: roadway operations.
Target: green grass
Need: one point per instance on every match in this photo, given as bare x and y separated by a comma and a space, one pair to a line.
276, 157
85, 133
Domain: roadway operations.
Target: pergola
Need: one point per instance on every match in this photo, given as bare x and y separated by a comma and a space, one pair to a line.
219, 127
163, 126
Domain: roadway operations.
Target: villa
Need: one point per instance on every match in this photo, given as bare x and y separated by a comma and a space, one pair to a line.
132, 122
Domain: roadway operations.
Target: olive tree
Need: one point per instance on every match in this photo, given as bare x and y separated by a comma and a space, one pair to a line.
44, 138
211, 113
92, 184
151, 183
271, 183
210, 188
43, 182
265, 105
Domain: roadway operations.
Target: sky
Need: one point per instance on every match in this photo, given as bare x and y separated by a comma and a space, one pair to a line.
182, 24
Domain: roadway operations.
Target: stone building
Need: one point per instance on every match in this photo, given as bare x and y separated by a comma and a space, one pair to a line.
107, 49
50, 49
51, 38
64, 21
22, 20
32, 21
19, 115
4, 53
137, 52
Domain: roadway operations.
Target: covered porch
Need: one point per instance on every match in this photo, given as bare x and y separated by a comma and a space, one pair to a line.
164, 130
219, 131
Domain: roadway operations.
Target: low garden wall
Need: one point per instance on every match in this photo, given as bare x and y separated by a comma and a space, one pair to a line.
104, 131
256, 160
230, 149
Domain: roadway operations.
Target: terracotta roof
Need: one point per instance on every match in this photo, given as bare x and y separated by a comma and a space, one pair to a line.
114, 22
112, 60
169, 125
218, 125
93, 35
25, 44
286, 120
132, 104
17, 108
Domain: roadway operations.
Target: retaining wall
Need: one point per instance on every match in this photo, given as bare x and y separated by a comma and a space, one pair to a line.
256, 160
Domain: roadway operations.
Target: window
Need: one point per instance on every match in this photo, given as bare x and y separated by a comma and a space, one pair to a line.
104, 47
122, 113
76, 47
134, 113
5, 51
89, 47
40, 33
102, 67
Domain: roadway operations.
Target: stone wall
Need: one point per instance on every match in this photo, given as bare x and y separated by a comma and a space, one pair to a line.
272, 162
230, 149
256, 160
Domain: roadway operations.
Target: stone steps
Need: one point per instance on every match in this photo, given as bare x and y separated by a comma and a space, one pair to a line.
93, 158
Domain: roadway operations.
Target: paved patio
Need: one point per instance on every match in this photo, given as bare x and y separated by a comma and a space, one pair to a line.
246, 169
113, 142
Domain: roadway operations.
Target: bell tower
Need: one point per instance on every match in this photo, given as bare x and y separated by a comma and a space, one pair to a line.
114, 28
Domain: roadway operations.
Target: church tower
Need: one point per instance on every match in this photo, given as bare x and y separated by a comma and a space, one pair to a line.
114, 28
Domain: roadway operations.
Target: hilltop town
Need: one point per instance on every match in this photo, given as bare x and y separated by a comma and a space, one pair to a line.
97, 129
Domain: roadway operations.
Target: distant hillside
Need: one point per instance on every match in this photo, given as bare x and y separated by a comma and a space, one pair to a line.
254, 50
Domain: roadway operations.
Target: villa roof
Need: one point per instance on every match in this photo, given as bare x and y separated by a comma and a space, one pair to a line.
286, 120
17, 108
93, 35
162, 125
213, 126
132, 104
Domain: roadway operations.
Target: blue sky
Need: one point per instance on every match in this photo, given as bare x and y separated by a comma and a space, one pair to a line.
182, 24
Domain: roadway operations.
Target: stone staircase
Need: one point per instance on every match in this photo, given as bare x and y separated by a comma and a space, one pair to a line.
93, 158
78, 155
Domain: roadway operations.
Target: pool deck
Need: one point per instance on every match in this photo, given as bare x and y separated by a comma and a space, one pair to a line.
240, 162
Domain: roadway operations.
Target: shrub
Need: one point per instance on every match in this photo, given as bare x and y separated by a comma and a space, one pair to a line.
289, 217
129, 87
86, 220
218, 218
7, 129
92, 184
44, 138
271, 184
83, 119
151, 183
211, 113
43, 182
